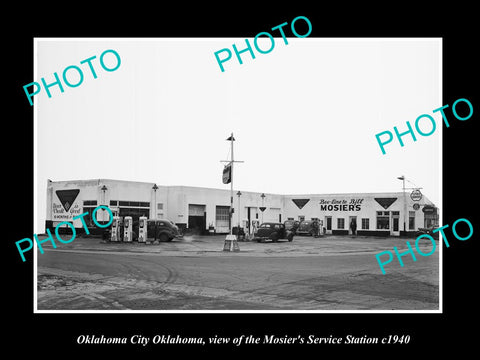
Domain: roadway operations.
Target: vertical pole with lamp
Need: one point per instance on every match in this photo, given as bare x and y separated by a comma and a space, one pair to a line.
231, 243
404, 203
416, 188
239, 193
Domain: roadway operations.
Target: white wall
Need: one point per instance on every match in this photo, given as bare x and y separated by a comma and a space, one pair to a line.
175, 200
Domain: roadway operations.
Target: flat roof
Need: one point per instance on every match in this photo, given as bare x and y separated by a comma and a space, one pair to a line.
100, 181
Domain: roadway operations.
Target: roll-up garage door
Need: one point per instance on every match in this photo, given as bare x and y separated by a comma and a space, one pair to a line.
196, 218
273, 215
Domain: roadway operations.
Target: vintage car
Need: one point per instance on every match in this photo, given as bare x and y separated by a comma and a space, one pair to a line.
162, 230
306, 228
427, 231
272, 231
291, 225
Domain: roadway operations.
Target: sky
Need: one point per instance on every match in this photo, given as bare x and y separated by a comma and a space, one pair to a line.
304, 116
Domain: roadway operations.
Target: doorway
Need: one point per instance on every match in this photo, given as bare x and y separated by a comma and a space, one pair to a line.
196, 219
352, 225
395, 223
328, 224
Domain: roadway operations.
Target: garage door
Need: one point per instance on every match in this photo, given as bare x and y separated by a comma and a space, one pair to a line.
222, 219
196, 210
196, 219
273, 215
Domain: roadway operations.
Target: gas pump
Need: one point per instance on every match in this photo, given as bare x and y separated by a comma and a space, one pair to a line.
246, 228
127, 228
115, 234
142, 229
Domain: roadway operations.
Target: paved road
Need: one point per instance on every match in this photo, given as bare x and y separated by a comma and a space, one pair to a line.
333, 273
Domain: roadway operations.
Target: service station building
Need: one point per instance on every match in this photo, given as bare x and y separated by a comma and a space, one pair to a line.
196, 209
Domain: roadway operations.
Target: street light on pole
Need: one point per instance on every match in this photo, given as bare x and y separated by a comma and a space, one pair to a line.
263, 205
231, 240
155, 188
415, 188
104, 188
238, 226
404, 203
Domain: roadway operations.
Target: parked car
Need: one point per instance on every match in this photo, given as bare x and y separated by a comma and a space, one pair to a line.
306, 228
163, 230
292, 225
428, 231
273, 231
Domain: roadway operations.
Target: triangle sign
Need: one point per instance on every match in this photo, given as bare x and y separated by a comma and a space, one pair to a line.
385, 202
262, 208
300, 202
67, 197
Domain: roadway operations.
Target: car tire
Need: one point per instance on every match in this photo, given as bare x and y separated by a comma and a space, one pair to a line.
163, 237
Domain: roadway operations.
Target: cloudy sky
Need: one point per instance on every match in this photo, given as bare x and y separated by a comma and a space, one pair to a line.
304, 115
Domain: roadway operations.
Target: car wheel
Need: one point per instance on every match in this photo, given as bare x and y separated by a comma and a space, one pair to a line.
163, 237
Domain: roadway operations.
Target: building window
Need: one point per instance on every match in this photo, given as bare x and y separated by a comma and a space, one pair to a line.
89, 202
134, 204
88, 218
340, 223
411, 220
135, 209
135, 213
159, 206
365, 224
383, 220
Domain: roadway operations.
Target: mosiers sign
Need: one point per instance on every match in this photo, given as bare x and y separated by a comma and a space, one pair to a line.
341, 205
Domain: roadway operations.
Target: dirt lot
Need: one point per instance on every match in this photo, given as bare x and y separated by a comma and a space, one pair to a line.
328, 273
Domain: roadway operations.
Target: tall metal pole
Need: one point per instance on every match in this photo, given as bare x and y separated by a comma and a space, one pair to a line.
263, 204
231, 184
404, 206
231, 240
239, 194
104, 188
155, 187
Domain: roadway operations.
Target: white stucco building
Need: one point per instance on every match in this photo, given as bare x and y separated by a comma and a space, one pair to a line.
197, 209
